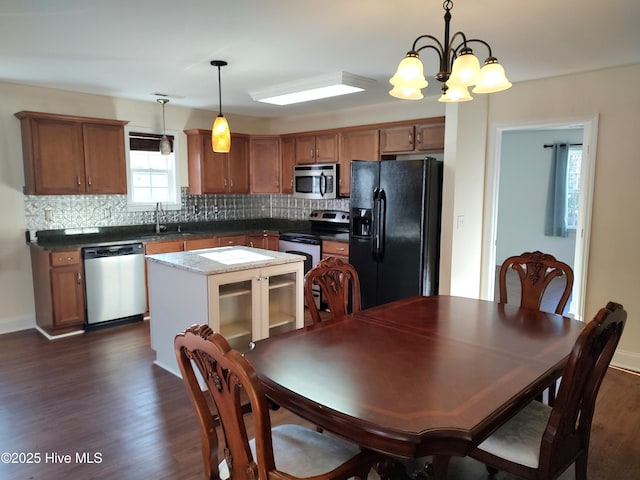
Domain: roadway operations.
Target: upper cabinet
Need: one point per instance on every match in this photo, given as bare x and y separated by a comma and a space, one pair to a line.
320, 148
356, 145
288, 154
66, 155
425, 137
264, 153
211, 172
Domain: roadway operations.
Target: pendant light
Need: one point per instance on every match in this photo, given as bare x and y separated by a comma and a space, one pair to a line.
220, 133
165, 144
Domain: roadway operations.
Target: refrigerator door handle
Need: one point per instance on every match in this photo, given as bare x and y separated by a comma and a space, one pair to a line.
375, 237
382, 222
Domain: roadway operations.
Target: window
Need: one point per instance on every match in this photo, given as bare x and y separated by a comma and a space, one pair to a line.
573, 186
151, 176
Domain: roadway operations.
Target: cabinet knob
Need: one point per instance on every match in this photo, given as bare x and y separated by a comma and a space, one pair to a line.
78, 180
78, 279
89, 180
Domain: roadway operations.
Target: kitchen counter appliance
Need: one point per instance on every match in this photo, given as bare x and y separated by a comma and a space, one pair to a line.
322, 223
315, 181
114, 283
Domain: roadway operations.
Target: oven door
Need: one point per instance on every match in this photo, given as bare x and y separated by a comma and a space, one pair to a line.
311, 253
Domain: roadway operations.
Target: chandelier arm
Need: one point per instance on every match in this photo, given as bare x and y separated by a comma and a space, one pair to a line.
473, 40
438, 47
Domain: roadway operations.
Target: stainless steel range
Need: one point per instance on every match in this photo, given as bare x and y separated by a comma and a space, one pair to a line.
322, 224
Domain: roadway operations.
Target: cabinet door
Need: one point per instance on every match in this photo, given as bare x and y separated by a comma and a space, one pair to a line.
199, 243
305, 149
215, 175
430, 137
56, 157
265, 165
327, 148
397, 139
68, 296
104, 156
356, 145
238, 165
288, 146
230, 240
266, 241
234, 300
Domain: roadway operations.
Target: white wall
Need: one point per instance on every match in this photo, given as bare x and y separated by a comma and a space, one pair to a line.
614, 256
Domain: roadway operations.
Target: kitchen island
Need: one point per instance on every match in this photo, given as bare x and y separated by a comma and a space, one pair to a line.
244, 293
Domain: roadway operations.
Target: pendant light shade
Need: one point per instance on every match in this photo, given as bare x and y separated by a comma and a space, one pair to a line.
220, 133
165, 144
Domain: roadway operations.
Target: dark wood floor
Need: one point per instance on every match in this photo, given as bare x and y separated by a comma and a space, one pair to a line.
99, 394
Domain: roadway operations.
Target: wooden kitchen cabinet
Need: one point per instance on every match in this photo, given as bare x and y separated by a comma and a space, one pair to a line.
320, 148
200, 243
266, 240
288, 149
211, 172
231, 240
334, 248
249, 305
58, 284
265, 162
356, 145
66, 155
425, 137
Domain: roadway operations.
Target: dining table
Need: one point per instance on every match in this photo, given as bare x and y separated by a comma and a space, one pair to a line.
421, 376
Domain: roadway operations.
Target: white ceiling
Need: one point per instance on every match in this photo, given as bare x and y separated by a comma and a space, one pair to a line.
137, 48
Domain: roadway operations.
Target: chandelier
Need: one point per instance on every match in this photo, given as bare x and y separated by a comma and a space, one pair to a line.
220, 133
459, 67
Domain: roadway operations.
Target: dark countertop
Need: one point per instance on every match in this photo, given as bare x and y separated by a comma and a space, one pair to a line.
87, 237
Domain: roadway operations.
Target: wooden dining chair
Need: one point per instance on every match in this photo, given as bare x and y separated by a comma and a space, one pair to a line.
536, 271
286, 451
339, 285
540, 442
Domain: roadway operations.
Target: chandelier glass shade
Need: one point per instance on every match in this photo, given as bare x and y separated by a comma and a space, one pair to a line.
220, 132
459, 68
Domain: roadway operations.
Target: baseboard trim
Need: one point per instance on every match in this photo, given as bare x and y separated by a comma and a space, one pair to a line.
56, 337
627, 360
15, 324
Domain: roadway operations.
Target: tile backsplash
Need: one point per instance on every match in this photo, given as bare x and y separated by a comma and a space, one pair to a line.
52, 212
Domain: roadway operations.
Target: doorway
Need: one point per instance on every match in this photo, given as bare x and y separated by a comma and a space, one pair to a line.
516, 196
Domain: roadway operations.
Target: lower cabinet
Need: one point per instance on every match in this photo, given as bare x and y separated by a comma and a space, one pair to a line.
231, 240
58, 284
266, 241
333, 248
248, 305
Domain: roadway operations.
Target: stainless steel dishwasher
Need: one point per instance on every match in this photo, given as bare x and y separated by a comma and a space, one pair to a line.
114, 282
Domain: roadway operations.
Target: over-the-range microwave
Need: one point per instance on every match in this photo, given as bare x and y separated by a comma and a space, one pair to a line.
315, 181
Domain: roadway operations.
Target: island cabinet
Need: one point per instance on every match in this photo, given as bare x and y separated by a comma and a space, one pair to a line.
58, 285
252, 304
319, 148
265, 164
356, 145
211, 172
425, 137
245, 294
66, 155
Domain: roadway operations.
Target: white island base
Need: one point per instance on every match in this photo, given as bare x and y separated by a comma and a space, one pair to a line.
245, 294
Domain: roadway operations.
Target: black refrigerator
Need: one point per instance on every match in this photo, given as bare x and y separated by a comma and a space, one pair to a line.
394, 241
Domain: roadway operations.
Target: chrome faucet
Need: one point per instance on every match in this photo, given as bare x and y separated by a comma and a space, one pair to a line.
159, 213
